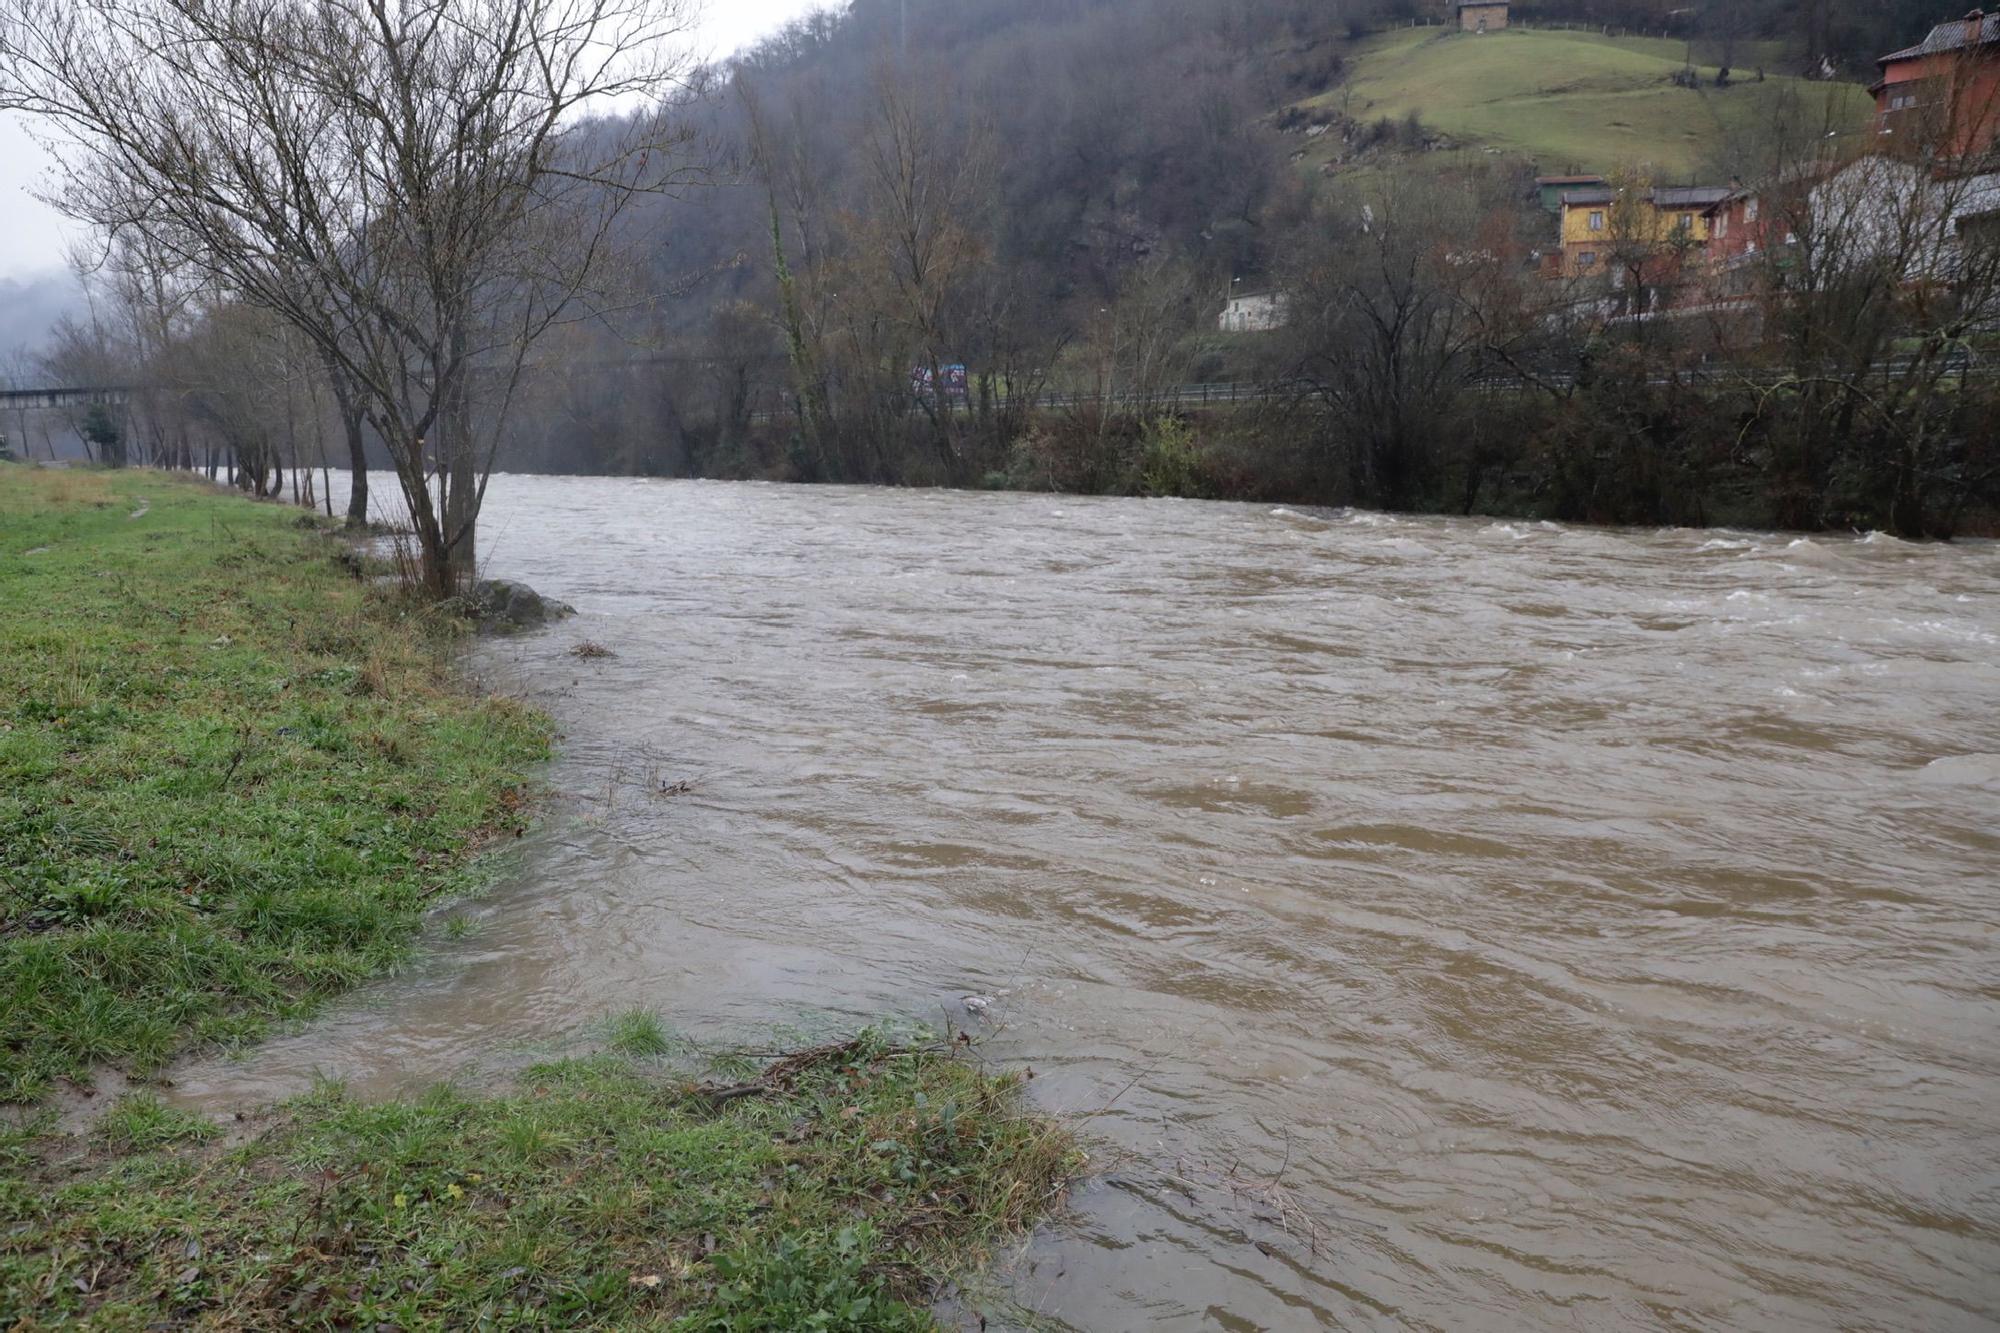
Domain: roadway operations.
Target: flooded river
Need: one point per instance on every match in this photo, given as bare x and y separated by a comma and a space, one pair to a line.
1584, 929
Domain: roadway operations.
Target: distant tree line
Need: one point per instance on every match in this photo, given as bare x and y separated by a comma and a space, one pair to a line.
986, 244
1061, 197
1847, 34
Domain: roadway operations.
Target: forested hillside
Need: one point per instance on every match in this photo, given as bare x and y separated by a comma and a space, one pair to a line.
988, 242
1044, 190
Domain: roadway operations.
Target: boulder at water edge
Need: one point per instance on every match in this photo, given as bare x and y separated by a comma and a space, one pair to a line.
502, 606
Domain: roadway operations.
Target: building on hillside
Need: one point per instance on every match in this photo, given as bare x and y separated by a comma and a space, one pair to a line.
1684, 209
1976, 224
1945, 90
1747, 241
1253, 312
1738, 227
1550, 189
1886, 209
1482, 15
1922, 220
1586, 228
1602, 226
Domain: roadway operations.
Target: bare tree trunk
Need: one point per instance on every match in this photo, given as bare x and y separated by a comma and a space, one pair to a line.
357, 466
319, 445
292, 440
350, 408
461, 469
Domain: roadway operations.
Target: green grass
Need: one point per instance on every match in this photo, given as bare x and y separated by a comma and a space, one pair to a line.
231, 776
836, 1191
638, 1033
1574, 101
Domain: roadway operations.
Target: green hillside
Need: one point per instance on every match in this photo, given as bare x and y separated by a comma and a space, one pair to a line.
1572, 100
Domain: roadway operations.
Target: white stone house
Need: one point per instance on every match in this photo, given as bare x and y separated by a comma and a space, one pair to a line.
1254, 312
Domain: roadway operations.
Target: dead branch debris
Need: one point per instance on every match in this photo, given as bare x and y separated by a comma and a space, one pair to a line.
781, 1074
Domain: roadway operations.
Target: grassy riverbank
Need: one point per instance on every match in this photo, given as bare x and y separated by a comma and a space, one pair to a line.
231, 775
828, 1192
231, 778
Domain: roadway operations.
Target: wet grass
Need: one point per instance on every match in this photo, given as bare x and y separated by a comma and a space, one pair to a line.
834, 1190
231, 775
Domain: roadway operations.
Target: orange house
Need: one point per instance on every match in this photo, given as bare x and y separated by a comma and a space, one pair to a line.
1946, 89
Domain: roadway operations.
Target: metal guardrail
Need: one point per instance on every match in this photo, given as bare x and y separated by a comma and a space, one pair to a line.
1207, 394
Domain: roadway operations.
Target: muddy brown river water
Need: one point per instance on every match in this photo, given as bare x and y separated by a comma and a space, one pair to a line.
1587, 929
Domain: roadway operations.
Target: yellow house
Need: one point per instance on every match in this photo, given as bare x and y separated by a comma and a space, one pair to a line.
1609, 224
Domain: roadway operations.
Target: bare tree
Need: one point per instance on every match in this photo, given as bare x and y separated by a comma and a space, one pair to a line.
23, 369
791, 176
1385, 329
919, 243
150, 302
417, 186
232, 374
740, 343
1872, 311
83, 355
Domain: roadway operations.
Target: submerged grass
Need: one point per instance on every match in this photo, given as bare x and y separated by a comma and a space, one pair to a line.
231, 774
834, 1191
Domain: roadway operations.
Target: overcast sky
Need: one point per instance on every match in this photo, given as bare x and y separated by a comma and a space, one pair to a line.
31, 233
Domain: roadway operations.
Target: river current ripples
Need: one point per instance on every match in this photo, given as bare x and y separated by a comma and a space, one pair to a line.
1582, 929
